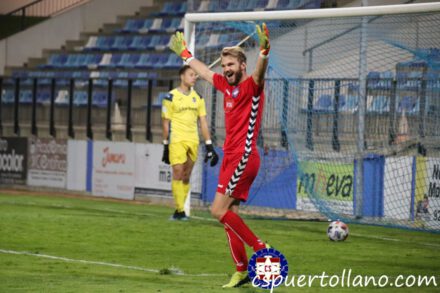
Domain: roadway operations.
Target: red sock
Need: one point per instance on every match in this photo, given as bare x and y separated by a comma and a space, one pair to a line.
238, 250
236, 224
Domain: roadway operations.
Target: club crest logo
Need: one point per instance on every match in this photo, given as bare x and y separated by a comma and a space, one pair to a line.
235, 92
194, 100
267, 268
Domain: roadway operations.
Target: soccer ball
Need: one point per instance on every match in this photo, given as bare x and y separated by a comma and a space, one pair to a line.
337, 231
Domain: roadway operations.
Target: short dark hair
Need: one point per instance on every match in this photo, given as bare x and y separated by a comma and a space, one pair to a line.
183, 69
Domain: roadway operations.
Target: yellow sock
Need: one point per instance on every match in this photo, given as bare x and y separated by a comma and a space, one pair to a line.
186, 188
178, 194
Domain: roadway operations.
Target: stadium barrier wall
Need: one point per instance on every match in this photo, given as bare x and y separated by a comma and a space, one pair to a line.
47, 162
152, 175
76, 165
113, 169
117, 169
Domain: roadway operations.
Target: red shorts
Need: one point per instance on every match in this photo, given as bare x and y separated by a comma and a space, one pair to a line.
237, 174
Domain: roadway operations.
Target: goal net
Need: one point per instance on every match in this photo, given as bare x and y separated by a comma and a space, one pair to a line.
351, 126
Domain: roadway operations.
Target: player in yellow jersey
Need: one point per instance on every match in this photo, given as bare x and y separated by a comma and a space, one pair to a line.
181, 109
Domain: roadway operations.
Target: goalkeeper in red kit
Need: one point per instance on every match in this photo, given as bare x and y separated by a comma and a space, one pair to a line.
243, 106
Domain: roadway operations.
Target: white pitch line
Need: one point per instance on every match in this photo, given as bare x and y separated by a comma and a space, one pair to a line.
395, 240
173, 271
353, 234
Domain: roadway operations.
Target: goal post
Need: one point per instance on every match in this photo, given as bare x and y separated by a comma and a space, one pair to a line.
339, 84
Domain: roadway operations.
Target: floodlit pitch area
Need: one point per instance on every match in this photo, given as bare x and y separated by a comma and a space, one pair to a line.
51, 243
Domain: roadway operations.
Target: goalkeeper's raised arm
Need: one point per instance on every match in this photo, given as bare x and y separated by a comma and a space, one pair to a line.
260, 68
178, 45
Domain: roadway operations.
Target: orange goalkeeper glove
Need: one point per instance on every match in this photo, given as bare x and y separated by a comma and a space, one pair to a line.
263, 37
178, 45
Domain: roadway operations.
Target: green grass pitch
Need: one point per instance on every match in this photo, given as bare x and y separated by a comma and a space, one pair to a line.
63, 244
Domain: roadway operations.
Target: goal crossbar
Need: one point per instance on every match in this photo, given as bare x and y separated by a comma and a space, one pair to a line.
314, 13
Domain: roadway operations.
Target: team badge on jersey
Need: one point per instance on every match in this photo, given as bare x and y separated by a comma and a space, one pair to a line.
194, 100
235, 92
267, 268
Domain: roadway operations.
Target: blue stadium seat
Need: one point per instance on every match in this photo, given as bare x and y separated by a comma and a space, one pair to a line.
202, 40
350, 104
157, 25
112, 62
324, 104
237, 5
169, 8
175, 24
162, 60
173, 8
43, 97
140, 43
157, 102
259, 5
144, 61
379, 104
55, 61
121, 43
216, 6
80, 98
100, 99
162, 43
25, 97
146, 26
8, 96
133, 59
408, 104
132, 25
173, 61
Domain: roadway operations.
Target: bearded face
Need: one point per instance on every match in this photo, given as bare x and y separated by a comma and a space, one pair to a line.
232, 70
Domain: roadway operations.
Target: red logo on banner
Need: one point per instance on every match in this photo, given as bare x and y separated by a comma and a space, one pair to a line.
112, 158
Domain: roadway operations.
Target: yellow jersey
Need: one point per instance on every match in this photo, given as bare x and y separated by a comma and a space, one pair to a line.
183, 111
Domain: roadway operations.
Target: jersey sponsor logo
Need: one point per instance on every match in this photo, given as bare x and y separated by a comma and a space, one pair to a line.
229, 104
267, 268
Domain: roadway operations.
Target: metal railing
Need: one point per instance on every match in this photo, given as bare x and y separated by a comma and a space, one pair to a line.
300, 115
30, 14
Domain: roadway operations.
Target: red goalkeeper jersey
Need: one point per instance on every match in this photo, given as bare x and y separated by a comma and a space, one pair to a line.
243, 106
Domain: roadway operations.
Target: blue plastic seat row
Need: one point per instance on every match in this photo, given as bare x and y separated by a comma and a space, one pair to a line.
142, 61
249, 5
85, 61
25, 97
173, 8
150, 25
124, 43
126, 60
27, 74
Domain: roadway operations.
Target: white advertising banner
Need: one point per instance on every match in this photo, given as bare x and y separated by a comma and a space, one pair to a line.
76, 164
427, 193
47, 162
397, 187
113, 169
153, 174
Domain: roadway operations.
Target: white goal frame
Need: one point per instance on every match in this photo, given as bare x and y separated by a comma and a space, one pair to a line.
191, 19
